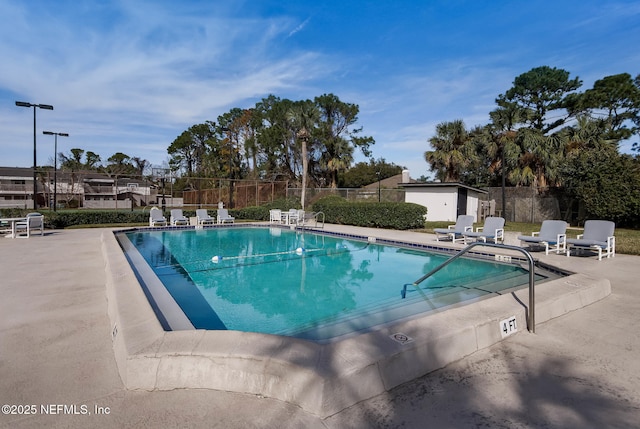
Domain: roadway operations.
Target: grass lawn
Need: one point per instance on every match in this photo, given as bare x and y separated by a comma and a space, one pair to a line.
627, 240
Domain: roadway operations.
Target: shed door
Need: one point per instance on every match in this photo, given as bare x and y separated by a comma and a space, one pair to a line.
462, 201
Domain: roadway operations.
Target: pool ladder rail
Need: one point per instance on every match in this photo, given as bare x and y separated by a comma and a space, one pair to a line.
531, 324
317, 217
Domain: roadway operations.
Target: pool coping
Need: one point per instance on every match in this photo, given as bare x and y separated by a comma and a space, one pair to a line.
320, 378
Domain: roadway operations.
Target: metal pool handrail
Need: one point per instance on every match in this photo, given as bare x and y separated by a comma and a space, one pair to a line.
315, 216
531, 320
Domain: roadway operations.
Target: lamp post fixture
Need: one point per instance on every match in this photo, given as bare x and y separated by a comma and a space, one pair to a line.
55, 166
35, 164
379, 195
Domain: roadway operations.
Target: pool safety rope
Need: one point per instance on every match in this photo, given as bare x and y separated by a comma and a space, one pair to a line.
299, 251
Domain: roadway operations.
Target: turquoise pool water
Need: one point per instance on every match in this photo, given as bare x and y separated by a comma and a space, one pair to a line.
307, 285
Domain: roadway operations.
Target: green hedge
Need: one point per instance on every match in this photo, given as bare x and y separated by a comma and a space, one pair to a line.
250, 213
336, 210
68, 218
376, 215
65, 219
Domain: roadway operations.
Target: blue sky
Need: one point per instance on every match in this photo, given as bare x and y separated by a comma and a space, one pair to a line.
130, 76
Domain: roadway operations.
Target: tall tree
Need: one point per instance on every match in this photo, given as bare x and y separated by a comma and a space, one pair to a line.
234, 126
365, 173
304, 116
274, 138
536, 93
92, 160
74, 161
499, 137
604, 182
615, 102
337, 136
119, 163
140, 165
189, 150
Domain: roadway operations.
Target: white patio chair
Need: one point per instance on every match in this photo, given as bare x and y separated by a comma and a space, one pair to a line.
224, 217
493, 229
275, 216
463, 224
156, 218
300, 217
598, 237
203, 217
293, 216
177, 218
552, 236
33, 222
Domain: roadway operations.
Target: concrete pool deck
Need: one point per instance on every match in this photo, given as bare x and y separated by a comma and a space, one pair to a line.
579, 369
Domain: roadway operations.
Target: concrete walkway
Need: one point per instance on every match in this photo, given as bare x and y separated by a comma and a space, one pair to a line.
57, 362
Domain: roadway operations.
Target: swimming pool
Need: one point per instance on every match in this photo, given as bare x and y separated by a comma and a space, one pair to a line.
303, 284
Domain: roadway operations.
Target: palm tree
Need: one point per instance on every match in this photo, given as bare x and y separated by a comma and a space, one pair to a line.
304, 116
453, 150
588, 134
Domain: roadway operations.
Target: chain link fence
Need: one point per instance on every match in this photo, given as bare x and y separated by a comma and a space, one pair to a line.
91, 190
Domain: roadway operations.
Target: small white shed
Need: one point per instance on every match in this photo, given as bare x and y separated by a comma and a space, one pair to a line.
444, 201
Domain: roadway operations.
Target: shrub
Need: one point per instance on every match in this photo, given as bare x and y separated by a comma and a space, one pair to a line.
251, 213
65, 219
375, 215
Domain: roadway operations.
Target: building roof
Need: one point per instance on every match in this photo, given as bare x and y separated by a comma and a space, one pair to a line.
86, 176
16, 172
442, 185
389, 182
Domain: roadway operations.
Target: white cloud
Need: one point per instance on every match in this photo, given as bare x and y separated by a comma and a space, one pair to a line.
299, 27
131, 76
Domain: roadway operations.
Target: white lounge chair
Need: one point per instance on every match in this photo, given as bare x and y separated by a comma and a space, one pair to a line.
223, 216
177, 218
203, 217
275, 216
493, 229
598, 237
33, 222
552, 236
156, 218
464, 223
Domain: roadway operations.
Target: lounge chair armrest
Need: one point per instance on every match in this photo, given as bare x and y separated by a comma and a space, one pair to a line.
535, 233
562, 238
451, 227
468, 228
579, 236
480, 229
500, 233
611, 242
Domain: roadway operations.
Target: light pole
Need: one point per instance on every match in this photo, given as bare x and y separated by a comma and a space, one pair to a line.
379, 195
231, 169
35, 164
55, 166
